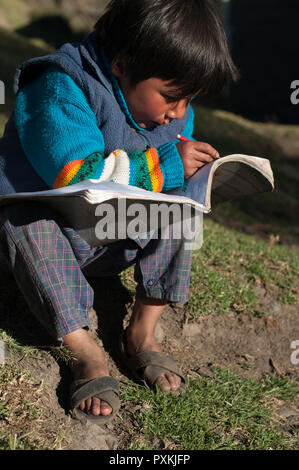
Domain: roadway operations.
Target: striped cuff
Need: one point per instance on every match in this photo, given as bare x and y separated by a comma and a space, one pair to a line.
145, 170
93, 166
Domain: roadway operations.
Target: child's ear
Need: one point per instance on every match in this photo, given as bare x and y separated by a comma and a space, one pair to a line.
117, 68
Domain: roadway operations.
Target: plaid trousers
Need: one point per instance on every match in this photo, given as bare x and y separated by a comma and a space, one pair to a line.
50, 261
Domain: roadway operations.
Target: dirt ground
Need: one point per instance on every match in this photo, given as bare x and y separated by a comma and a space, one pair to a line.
249, 346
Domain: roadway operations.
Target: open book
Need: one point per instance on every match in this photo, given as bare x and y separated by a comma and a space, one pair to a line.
222, 180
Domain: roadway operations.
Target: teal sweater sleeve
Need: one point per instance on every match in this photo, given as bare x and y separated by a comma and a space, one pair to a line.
61, 138
189, 128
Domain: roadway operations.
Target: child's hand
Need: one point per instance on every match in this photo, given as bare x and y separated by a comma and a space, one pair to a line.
194, 155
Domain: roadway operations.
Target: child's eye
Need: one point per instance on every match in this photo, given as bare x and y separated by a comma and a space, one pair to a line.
173, 99
170, 99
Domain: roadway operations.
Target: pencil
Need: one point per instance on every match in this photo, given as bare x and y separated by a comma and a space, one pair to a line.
182, 138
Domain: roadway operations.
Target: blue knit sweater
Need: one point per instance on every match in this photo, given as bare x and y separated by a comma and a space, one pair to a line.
63, 142
71, 122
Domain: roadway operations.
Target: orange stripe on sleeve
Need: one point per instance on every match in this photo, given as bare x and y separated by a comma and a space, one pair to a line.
67, 173
155, 170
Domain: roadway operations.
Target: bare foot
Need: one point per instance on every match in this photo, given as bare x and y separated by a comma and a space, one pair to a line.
90, 364
140, 336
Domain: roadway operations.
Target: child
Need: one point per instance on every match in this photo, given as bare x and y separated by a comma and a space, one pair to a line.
128, 86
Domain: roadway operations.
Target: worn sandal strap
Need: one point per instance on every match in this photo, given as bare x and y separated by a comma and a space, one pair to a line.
155, 360
151, 373
104, 388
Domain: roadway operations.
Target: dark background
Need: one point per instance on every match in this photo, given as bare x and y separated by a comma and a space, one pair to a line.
264, 43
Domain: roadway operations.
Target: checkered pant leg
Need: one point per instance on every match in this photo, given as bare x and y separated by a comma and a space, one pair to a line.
46, 268
163, 270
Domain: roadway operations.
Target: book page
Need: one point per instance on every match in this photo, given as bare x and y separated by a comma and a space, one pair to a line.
196, 187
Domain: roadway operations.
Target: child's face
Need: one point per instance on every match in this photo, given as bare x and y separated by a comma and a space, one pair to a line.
151, 101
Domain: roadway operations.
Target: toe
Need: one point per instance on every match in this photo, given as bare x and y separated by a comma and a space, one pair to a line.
87, 405
168, 382
163, 383
174, 381
82, 406
105, 408
95, 408
100, 407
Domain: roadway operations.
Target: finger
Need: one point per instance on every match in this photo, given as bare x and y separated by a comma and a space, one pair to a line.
206, 148
190, 171
203, 157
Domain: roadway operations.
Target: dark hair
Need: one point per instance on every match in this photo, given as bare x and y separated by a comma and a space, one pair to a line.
178, 40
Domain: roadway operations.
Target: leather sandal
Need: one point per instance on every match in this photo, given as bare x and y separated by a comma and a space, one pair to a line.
146, 366
104, 388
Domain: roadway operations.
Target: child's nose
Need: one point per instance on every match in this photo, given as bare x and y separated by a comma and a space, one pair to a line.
177, 110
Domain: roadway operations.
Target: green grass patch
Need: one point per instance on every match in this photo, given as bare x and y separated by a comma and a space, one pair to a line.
228, 267
223, 412
262, 213
19, 410
13, 346
24, 411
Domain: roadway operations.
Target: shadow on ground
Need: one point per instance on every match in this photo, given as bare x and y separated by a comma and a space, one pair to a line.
23, 327
55, 30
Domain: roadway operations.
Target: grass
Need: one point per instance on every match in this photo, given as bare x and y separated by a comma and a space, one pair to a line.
226, 412
21, 416
230, 263
228, 268
12, 346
